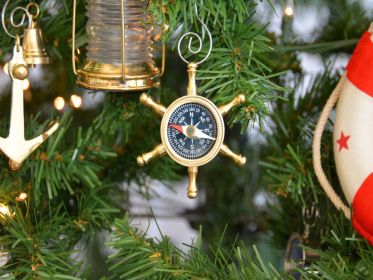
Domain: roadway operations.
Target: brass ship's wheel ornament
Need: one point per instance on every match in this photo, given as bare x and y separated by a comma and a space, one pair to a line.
192, 127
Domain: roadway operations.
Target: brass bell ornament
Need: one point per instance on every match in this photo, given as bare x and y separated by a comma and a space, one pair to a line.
119, 47
34, 49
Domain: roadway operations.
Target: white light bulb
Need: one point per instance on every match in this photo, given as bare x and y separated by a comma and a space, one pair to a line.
59, 103
5, 68
22, 197
76, 101
26, 84
289, 11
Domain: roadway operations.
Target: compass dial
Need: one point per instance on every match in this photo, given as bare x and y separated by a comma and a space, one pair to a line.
192, 130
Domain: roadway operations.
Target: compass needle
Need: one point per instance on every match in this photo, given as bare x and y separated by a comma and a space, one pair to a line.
200, 134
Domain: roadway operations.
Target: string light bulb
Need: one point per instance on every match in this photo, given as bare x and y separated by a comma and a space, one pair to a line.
22, 197
289, 8
76, 101
5, 68
4, 258
26, 84
59, 103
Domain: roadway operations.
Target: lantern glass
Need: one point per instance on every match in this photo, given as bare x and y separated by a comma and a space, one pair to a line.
103, 68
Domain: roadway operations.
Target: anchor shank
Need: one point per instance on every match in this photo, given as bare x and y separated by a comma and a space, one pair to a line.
17, 125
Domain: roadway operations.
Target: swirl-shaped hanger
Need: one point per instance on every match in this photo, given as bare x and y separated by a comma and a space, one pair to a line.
13, 22
193, 34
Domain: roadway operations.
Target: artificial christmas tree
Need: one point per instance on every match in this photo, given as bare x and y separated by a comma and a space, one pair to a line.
80, 184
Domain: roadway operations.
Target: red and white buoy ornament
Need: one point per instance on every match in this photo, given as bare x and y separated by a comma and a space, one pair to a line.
353, 138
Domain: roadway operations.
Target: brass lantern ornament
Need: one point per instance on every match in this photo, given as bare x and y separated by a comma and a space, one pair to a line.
119, 47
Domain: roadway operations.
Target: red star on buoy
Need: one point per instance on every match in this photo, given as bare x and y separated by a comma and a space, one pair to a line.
343, 141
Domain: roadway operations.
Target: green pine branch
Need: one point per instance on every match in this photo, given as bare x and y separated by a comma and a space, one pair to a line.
138, 257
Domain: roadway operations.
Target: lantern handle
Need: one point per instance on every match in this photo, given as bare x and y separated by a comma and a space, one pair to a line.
15, 24
73, 57
166, 28
123, 29
193, 34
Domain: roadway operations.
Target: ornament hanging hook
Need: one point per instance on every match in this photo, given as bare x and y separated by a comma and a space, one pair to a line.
198, 37
15, 24
31, 5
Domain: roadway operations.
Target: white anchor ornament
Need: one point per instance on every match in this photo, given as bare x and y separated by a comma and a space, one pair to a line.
15, 146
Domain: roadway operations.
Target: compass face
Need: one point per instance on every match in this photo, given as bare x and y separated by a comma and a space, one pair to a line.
192, 130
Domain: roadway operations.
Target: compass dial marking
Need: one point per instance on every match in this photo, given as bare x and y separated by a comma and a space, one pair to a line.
192, 141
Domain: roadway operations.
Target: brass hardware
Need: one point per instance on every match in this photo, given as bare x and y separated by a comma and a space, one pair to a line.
156, 152
236, 101
192, 188
298, 257
6, 214
20, 71
123, 41
149, 102
166, 147
95, 75
13, 165
34, 49
163, 68
219, 137
122, 77
191, 131
192, 87
238, 159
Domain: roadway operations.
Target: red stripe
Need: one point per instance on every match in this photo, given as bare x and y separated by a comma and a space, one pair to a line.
360, 67
362, 216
